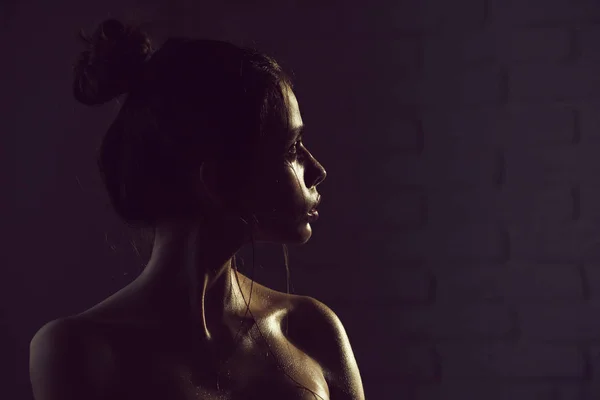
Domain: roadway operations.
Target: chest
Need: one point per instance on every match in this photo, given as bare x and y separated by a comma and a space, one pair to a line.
275, 369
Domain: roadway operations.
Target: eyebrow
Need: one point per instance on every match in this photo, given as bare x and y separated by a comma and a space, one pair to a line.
297, 132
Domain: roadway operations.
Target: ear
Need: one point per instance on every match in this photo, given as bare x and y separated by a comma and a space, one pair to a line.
220, 185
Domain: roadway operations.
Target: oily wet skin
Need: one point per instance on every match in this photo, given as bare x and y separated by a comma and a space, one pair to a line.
155, 361
160, 354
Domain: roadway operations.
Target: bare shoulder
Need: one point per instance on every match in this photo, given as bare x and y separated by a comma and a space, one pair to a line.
317, 330
323, 336
68, 361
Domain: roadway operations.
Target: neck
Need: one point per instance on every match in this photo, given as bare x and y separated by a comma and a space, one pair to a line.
190, 275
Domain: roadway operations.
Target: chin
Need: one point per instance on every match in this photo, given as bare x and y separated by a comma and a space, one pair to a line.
302, 234
292, 234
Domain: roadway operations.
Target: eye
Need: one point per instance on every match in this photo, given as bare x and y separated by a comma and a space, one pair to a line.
293, 150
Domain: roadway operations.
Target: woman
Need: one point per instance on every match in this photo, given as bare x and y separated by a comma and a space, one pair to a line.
206, 152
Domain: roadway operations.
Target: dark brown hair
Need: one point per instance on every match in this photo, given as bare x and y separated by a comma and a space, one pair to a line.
186, 101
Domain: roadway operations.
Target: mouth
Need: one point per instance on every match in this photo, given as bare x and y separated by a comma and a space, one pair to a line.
313, 213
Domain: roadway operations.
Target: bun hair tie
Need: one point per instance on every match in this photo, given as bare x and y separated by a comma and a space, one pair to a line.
114, 58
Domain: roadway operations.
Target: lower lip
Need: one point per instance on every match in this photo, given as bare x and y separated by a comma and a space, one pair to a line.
313, 215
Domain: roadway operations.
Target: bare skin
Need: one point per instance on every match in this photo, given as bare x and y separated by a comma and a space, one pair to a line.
191, 326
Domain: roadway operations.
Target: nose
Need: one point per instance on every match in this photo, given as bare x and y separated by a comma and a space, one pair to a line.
314, 173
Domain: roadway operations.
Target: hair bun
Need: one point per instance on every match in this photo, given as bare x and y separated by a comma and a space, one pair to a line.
114, 57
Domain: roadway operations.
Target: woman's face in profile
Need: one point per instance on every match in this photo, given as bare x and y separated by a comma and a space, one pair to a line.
282, 188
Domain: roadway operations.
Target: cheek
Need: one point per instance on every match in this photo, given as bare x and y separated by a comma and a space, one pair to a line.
280, 189
281, 206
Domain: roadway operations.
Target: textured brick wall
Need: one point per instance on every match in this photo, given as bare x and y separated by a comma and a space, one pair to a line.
461, 242
501, 153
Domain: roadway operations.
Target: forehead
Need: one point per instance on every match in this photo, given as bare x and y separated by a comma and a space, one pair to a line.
295, 119
284, 126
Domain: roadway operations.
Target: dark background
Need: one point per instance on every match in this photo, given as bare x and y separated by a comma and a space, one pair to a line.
460, 232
